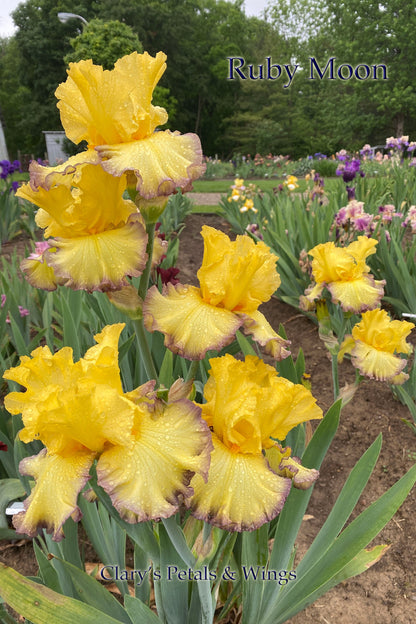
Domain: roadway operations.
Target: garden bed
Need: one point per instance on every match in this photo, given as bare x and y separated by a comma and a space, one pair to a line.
386, 593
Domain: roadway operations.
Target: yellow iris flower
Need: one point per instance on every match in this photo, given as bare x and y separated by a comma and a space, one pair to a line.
99, 236
344, 272
235, 278
147, 450
247, 405
373, 344
112, 111
291, 182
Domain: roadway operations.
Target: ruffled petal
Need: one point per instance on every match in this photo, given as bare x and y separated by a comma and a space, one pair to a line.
148, 479
347, 346
47, 177
94, 416
191, 326
312, 293
236, 275
162, 162
39, 274
101, 261
102, 106
357, 295
376, 364
101, 360
55, 215
256, 325
54, 497
286, 466
241, 494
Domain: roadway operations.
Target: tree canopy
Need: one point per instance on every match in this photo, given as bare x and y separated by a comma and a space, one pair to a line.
251, 114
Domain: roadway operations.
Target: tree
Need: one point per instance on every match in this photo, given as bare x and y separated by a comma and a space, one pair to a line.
33, 60
104, 42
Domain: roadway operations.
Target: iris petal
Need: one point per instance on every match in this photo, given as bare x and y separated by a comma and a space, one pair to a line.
101, 261
241, 494
286, 466
149, 479
162, 162
358, 295
256, 325
191, 326
53, 500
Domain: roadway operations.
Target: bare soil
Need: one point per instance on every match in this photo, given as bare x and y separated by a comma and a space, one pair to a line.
386, 593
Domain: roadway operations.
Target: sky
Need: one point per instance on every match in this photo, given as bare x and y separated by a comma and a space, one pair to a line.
253, 7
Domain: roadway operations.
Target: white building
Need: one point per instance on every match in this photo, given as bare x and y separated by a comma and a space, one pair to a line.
54, 146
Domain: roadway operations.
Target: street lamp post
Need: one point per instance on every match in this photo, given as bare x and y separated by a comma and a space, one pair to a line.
64, 17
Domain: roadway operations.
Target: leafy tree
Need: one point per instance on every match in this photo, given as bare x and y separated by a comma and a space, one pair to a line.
38, 46
104, 42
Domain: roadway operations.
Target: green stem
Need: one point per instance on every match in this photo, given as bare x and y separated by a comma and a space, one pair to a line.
144, 348
145, 351
144, 280
192, 370
335, 379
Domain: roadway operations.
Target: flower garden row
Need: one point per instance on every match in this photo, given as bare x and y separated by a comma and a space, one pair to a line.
138, 419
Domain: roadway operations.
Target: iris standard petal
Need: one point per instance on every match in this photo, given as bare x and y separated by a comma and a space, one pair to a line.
191, 326
242, 492
236, 275
102, 106
53, 500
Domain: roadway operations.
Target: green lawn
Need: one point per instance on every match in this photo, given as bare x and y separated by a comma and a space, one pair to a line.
223, 186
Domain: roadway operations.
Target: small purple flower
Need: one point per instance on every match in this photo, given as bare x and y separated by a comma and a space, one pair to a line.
23, 311
5, 169
364, 223
3, 300
350, 193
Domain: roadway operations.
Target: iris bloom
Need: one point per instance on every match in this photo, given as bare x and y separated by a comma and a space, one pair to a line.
147, 450
291, 182
112, 111
344, 272
99, 236
248, 405
235, 278
374, 343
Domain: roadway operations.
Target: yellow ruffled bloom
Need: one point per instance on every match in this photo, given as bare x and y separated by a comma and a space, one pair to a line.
291, 182
235, 278
100, 238
344, 272
373, 346
247, 407
147, 450
112, 111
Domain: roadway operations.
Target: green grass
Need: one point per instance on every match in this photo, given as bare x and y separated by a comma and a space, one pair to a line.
204, 209
223, 186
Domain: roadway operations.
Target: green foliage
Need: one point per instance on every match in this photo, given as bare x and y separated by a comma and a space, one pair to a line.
104, 42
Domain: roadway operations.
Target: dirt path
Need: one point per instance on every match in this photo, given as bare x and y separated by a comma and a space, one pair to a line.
205, 199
